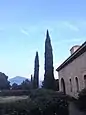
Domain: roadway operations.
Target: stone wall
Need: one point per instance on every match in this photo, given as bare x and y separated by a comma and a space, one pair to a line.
77, 68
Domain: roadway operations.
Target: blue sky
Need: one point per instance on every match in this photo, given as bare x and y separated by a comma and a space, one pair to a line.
23, 25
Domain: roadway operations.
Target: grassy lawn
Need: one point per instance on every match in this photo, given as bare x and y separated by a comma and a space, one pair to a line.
8, 99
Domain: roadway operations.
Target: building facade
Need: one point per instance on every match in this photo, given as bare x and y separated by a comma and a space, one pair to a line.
72, 72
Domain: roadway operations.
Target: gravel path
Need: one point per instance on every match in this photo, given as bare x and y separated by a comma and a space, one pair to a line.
12, 98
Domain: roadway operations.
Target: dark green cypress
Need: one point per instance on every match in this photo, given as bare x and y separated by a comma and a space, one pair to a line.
49, 81
36, 71
31, 78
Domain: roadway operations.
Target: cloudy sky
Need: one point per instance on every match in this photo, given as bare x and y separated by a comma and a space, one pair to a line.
23, 25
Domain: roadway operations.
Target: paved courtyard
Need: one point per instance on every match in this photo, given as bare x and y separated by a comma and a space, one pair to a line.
73, 110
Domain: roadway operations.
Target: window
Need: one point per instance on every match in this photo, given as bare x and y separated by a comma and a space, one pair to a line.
77, 84
85, 80
70, 85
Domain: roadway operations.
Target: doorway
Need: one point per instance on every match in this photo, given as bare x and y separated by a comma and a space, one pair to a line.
63, 86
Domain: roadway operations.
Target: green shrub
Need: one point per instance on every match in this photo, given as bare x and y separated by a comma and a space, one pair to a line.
19, 107
14, 92
50, 102
22, 107
41, 102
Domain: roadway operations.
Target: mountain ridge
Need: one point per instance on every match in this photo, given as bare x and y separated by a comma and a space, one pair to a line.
18, 80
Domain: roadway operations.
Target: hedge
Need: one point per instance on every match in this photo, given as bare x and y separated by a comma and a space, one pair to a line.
14, 92
41, 102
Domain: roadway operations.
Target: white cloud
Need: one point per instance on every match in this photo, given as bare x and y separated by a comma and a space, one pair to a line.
24, 31
71, 26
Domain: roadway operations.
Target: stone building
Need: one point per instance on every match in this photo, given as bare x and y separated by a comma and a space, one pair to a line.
72, 72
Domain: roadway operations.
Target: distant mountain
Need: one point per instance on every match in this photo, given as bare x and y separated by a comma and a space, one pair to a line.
17, 79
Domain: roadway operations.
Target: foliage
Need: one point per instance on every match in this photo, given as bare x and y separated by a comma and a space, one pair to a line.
50, 102
14, 92
41, 102
57, 84
81, 102
14, 86
26, 85
17, 107
4, 83
49, 81
36, 71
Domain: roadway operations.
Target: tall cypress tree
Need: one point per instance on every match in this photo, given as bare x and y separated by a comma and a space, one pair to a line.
36, 71
49, 81
32, 81
31, 78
